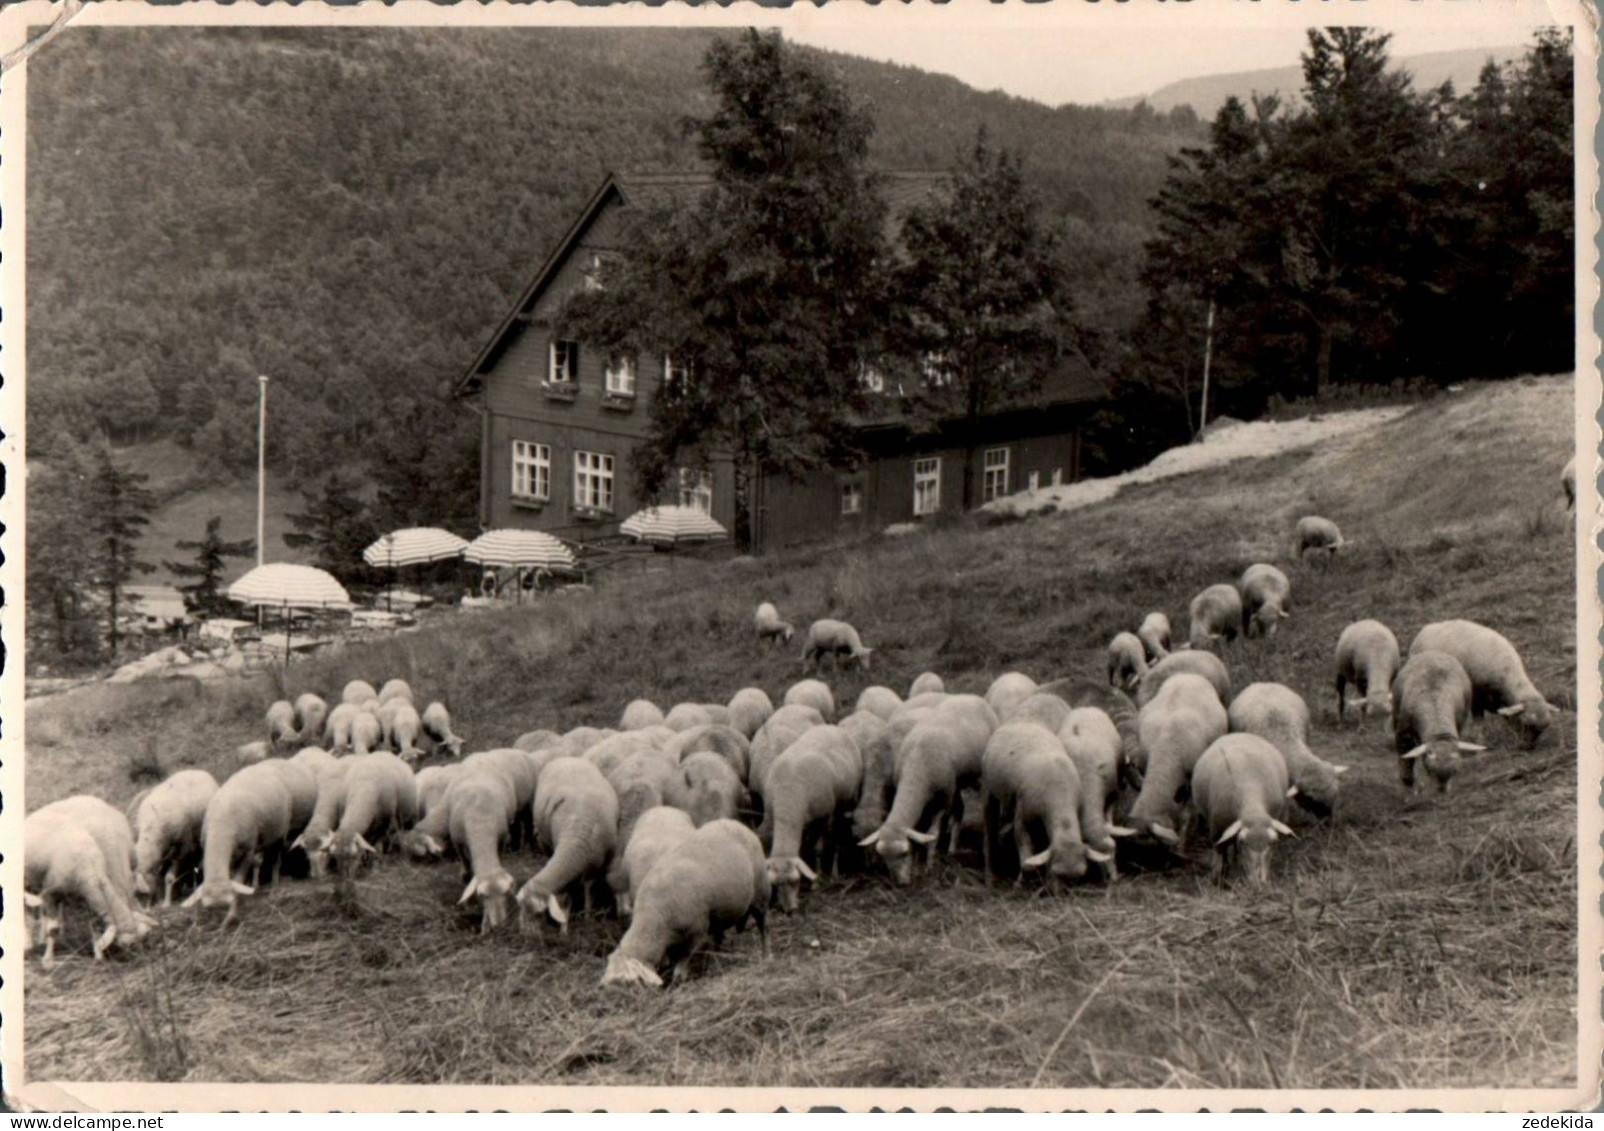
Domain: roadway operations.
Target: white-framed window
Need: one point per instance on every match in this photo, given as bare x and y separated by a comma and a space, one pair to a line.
927, 485
676, 374
994, 475
592, 271
620, 375
562, 368
531, 470
852, 497
696, 489
593, 480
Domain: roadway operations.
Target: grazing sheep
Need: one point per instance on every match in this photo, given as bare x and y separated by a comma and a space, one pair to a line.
1367, 658
316, 838
586, 737
1176, 726
1205, 664
750, 708
770, 627
522, 770
1315, 533
81, 847
717, 713
643, 781
1044, 708
538, 740
402, 726
1127, 661
311, 712
812, 788
1498, 679
607, 754
1239, 787
395, 689
315, 759
1216, 615
281, 728
381, 800
812, 693
167, 826
656, 831
367, 733
640, 714
339, 726
250, 752
1155, 637
1093, 743
684, 716
1431, 698
784, 727
245, 830
833, 638
727, 742
925, 682
879, 750
475, 815
1008, 691
358, 692
878, 700
712, 789
436, 721
1118, 706
1567, 482
576, 817
1266, 599
711, 882
1029, 781
1277, 714
431, 783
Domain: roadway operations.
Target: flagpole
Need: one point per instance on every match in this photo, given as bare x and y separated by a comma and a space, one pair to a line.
261, 470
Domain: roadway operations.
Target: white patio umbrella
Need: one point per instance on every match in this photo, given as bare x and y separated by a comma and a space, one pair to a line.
519, 549
671, 525
415, 545
284, 585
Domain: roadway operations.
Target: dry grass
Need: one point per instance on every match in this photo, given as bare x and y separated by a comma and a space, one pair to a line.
1408, 943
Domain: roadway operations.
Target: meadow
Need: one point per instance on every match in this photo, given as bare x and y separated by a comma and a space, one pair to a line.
1408, 942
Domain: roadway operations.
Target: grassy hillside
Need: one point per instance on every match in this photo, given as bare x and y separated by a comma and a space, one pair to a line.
1410, 942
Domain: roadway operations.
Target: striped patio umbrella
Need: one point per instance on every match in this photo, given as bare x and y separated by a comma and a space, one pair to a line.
519, 549
284, 585
416, 545
671, 525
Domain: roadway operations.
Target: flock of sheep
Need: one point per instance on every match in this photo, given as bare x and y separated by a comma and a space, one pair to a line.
651, 809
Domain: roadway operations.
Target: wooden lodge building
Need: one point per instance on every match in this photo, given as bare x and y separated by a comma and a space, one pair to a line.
560, 419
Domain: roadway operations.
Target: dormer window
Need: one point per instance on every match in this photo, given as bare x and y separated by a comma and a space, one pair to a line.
562, 367
592, 271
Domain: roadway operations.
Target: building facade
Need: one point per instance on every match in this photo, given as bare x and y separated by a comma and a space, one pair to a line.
560, 418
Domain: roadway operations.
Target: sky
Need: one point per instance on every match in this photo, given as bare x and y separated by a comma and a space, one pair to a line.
1124, 52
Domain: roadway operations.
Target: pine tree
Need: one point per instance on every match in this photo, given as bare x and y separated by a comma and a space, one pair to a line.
336, 526
208, 565
120, 511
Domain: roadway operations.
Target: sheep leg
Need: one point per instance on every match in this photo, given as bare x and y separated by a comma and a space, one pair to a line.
989, 814
169, 882
1026, 849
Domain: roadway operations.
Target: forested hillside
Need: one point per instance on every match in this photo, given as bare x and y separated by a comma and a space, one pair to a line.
350, 210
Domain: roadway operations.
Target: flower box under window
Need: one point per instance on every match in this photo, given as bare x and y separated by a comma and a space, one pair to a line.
528, 503
585, 513
621, 402
560, 390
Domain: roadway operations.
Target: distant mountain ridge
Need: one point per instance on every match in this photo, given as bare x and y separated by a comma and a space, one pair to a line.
1207, 93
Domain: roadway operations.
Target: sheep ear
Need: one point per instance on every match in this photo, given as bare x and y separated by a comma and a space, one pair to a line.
243, 889
1120, 830
801, 866
141, 883
1230, 833
1098, 856
1292, 791
194, 898
921, 838
299, 842
1512, 710
1166, 834
1415, 753
1280, 827
1470, 747
467, 892
433, 845
558, 913
31, 900
1037, 861
872, 838
1339, 769
362, 843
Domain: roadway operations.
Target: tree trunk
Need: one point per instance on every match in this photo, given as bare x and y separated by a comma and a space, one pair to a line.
971, 430
1322, 363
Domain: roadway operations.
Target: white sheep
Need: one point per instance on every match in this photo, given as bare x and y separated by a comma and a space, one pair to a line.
436, 723
611, 751
1431, 706
534, 740
1176, 726
167, 827
770, 627
717, 713
639, 714
712, 789
726, 742
246, 828
339, 725
1009, 690
713, 881
784, 727
810, 788
879, 700
1277, 714
358, 692
1082, 694
925, 682
1567, 482
1155, 636
1266, 599
281, 728
1029, 782
1192, 660
522, 770
478, 809
1239, 787
576, 817
643, 781
879, 752
657, 830
1216, 615
749, 709
684, 716
1044, 708
81, 847
1316, 533
403, 729
317, 836
586, 737
367, 733
314, 758
250, 752
311, 712
1127, 661
834, 638
1367, 659
431, 783
812, 693
381, 800
1498, 678
395, 689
